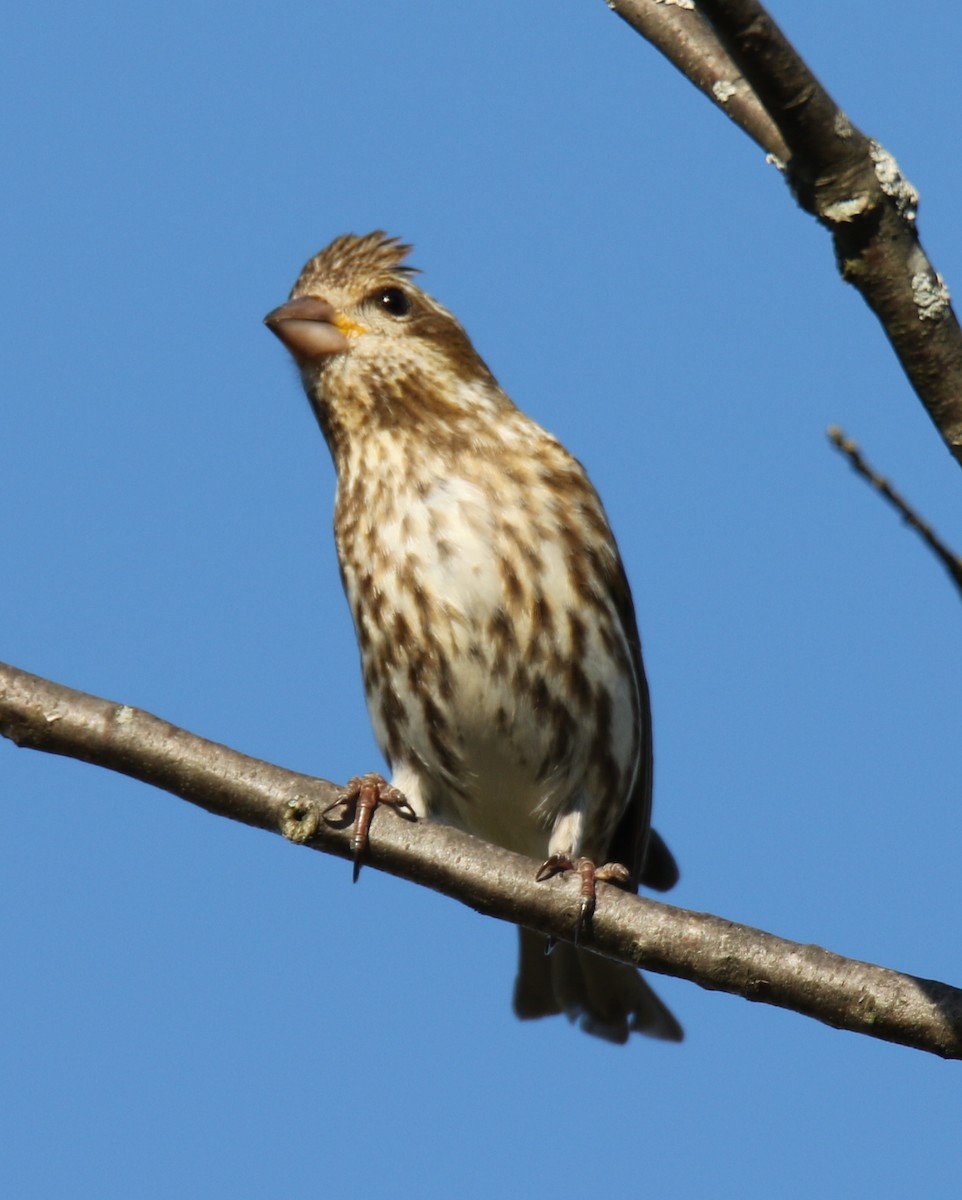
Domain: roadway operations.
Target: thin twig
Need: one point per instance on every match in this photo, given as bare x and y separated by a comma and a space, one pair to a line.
952, 562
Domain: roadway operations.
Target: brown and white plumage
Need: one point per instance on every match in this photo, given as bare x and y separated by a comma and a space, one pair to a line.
501, 658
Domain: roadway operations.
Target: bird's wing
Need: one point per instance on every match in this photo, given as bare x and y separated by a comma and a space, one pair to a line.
644, 854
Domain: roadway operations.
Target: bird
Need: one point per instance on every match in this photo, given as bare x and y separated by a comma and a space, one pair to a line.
499, 647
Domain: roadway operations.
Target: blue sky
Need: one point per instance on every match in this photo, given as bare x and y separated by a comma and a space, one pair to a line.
196, 1008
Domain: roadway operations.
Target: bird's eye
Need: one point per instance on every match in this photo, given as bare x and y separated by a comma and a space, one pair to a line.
394, 301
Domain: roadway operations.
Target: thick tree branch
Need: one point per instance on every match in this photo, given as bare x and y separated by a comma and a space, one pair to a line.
712, 952
845, 179
686, 39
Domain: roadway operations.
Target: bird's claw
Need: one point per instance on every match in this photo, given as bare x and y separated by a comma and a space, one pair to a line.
360, 797
590, 877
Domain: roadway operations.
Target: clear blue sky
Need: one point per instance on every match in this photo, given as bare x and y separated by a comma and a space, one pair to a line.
194, 1008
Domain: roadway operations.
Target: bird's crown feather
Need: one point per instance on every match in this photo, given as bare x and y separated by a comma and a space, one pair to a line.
350, 259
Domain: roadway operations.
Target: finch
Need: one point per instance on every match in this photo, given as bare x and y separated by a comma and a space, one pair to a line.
499, 648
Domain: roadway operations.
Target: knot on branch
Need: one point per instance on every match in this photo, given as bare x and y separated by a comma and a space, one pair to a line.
301, 820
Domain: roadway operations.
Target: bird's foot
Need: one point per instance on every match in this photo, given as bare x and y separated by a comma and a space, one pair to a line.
361, 796
590, 875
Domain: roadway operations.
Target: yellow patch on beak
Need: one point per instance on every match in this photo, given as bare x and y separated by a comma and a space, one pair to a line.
346, 325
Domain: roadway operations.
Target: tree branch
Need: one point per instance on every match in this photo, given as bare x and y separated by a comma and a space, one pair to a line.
710, 951
845, 179
951, 561
688, 41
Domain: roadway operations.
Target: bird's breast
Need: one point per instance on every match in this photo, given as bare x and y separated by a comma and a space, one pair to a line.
491, 675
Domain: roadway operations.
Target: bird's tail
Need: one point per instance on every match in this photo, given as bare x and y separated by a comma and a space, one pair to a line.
608, 999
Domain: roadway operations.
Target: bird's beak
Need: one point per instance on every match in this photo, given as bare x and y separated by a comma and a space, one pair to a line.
310, 328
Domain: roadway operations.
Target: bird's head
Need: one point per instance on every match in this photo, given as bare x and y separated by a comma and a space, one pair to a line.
374, 350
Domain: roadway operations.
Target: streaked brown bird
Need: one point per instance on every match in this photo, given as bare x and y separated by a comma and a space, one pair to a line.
501, 657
